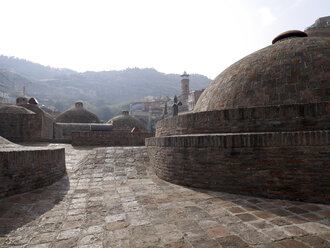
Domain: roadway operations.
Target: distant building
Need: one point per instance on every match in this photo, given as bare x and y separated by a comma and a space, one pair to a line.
184, 86
152, 111
320, 28
193, 98
149, 112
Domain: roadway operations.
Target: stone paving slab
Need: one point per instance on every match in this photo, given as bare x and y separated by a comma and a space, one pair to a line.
112, 198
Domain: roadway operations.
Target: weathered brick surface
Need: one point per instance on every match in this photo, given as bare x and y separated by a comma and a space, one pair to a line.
64, 130
292, 71
290, 117
111, 138
23, 170
47, 121
292, 165
26, 127
20, 127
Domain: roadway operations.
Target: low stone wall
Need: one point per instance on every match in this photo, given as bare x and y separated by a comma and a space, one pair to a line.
288, 165
63, 131
23, 170
111, 138
282, 118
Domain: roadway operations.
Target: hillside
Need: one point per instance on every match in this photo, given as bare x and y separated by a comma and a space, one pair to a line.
60, 88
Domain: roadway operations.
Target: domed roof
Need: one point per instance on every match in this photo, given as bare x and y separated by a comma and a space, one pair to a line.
35, 108
14, 109
77, 114
293, 70
126, 122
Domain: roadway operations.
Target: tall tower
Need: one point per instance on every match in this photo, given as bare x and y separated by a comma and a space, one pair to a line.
184, 86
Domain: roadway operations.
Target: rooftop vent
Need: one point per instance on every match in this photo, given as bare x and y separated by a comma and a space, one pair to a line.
289, 34
79, 104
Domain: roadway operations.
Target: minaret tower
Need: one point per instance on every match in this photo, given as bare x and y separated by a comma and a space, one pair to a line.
184, 86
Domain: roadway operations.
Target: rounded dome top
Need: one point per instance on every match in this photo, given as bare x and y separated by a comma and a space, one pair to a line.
294, 70
125, 122
77, 114
14, 109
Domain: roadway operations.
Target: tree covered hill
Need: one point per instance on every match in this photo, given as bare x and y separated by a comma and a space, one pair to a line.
60, 88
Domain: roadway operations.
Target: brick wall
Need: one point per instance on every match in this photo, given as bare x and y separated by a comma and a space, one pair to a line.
111, 138
47, 130
291, 117
47, 121
64, 130
24, 170
288, 165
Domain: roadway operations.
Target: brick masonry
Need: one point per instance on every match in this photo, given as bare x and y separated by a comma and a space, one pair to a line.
20, 127
23, 170
287, 165
26, 127
292, 71
290, 117
111, 138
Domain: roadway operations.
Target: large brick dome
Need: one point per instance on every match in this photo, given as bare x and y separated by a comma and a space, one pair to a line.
260, 128
293, 70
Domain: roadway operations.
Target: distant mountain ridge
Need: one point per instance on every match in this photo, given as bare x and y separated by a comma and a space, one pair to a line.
31, 70
60, 88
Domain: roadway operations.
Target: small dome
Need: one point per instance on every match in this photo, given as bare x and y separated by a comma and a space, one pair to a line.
125, 122
14, 109
33, 100
77, 114
292, 71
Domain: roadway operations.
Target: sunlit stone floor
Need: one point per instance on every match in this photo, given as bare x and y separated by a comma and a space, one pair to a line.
111, 198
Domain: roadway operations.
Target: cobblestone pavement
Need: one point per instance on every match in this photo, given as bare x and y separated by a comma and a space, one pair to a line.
111, 198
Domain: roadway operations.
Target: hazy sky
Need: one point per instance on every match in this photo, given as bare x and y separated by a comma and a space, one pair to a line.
204, 36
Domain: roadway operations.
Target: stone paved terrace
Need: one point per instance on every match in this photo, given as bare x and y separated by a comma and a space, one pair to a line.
111, 198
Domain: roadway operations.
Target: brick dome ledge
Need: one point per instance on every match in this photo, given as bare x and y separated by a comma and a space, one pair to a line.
285, 165
279, 118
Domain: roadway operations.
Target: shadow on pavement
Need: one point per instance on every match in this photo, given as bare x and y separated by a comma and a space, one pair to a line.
20, 209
